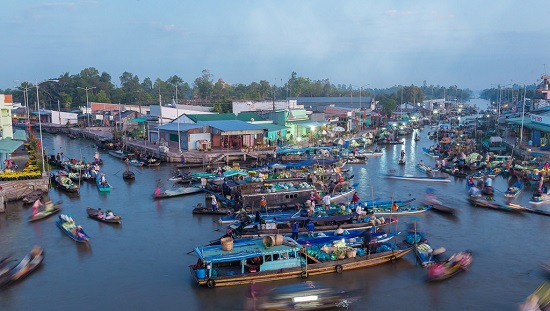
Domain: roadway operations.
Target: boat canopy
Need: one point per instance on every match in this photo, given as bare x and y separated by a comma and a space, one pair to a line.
244, 249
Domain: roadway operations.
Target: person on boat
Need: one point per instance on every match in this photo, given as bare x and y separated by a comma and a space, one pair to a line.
366, 239
225, 189
355, 198
310, 226
157, 189
295, 228
360, 212
489, 183
471, 181
214, 203
110, 215
79, 233
326, 201
263, 203
96, 157
103, 180
339, 231
376, 149
36, 205
100, 214
421, 163
203, 182
402, 154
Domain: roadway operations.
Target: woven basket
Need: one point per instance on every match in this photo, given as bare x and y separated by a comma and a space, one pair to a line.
227, 243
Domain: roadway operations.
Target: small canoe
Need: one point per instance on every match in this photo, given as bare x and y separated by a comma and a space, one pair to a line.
177, 192
70, 230
402, 161
25, 267
209, 211
46, 212
418, 178
443, 209
501, 207
455, 264
128, 175
32, 197
94, 214
538, 300
103, 187
118, 154
514, 190
135, 162
426, 255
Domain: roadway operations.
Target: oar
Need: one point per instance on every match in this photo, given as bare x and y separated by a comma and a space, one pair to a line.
117, 172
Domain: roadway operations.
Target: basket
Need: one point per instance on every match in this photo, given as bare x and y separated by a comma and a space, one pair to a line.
352, 253
227, 243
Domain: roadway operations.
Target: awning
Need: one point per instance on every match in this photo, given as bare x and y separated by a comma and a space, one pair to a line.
310, 124
530, 125
9, 145
138, 120
20, 135
273, 127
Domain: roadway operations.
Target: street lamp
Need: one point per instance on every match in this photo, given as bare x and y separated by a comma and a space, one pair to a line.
87, 112
177, 113
25, 90
40, 123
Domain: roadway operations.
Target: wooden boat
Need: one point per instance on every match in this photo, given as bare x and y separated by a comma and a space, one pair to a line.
426, 255
538, 300
128, 175
48, 211
102, 187
322, 223
455, 264
135, 162
426, 169
418, 178
62, 181
442, 208
344, 193
150, 161
514, 190
94, 214
70, 230
118, 154
454, 172
390, 142
242, 262
179, 191
5, 265
208, 211
540, 198
31, 197
501, 207
26, 266
353, 238
402, 161
432, 154
363, 154
400, 211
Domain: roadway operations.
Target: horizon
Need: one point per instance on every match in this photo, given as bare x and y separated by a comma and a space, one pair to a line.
374, 45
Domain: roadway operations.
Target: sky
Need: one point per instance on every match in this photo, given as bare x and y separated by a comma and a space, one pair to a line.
369, 43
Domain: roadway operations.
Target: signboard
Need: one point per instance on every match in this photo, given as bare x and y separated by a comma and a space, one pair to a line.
540, 119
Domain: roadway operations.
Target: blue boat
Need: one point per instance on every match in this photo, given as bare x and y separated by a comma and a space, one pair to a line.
279, 258
514, 190
102, 186
70, 230
433, 154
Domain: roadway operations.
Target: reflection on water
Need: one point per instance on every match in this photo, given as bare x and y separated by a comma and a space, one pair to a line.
144, 264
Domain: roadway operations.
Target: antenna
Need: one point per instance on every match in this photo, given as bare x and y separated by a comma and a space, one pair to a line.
544, 68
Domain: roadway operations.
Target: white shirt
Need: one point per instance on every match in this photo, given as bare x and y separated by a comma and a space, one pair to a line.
358, 209
326, 199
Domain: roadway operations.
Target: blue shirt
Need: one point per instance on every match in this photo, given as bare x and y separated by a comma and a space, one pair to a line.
310, 226
295, 227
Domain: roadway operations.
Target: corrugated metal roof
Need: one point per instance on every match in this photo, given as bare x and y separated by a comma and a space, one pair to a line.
331, 100
212, 117
246, 116
231, 125
182, 127
20, 135
273, 127
8, 145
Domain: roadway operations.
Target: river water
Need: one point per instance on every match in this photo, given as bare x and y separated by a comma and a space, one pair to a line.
143, 264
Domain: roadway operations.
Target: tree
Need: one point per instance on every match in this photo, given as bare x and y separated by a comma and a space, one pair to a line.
388, 105
204, 85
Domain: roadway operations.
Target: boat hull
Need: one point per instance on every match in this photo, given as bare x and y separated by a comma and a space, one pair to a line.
337, 266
